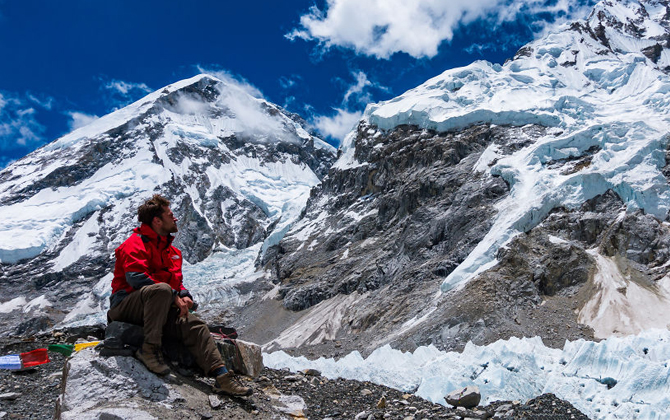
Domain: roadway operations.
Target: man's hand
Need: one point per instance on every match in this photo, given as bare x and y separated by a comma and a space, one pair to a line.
183, 304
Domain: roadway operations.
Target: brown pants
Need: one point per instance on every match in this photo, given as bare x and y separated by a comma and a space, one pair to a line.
151, 307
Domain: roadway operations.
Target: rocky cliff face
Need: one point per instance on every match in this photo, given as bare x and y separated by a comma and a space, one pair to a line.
495, 201
236, 168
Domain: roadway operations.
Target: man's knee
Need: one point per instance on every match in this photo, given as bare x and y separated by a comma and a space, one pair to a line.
158, 291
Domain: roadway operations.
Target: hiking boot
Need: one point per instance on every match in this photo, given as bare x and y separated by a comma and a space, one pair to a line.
230, 384
152, 357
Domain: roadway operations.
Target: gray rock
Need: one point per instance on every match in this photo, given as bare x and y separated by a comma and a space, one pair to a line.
468, 397
311, 372
9, 396
91, 383
243, 357
214, 401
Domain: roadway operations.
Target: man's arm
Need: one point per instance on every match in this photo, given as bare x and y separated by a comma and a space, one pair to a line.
136, 266
182, 292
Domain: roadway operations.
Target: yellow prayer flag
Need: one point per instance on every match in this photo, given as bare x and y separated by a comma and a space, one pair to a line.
80, 346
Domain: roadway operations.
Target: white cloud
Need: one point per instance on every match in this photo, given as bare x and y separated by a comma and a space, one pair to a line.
339, 125
357, 89
346, 117
19, 129
45, 102
381, 28
126, 88
80, 119
236, 82
119, 93
289, 82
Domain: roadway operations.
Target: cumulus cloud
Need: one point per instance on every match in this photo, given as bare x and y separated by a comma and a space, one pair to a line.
338, 125
19, 128
80, 119
381, 28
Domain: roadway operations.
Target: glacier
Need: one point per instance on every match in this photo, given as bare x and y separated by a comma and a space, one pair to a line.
521, 369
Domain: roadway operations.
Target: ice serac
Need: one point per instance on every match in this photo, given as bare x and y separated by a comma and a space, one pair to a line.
477, 205
618, 378
237, 169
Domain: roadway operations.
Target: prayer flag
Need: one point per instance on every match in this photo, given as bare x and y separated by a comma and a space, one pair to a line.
34, 358
81, 346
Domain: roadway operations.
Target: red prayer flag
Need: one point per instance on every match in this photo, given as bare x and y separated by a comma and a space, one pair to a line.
34, 358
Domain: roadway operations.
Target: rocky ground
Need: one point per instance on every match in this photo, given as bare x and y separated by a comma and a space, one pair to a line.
32, 394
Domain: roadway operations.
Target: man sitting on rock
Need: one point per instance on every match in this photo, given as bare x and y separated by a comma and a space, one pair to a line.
147, 290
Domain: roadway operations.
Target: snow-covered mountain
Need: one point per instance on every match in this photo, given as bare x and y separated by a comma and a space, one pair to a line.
237, 169
524, 199
528, 199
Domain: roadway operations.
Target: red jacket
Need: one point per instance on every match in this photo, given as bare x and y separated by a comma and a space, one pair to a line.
144, 259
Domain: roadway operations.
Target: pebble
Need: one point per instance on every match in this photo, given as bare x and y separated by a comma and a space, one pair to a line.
9, 396
292, 378
206, 415
255, 412
214, 401
3, 414
361, 415
366, 392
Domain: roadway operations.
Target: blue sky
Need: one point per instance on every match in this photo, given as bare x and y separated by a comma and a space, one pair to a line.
65, 63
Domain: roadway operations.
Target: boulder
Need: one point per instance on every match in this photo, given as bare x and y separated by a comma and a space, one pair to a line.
242, 357
468, 397
118, 387
98, 387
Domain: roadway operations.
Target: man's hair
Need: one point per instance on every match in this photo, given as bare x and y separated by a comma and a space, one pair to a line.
153, 207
